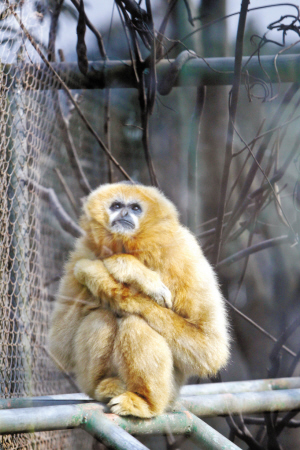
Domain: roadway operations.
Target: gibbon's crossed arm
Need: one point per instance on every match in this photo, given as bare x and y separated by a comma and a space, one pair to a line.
127, 269
191, 344
139, 308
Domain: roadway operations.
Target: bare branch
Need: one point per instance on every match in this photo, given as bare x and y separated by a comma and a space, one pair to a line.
166, 83
258, 327
81, 46
230, 132
67, 191
63, 370
49, 196
93, 29
254, 249
238, 209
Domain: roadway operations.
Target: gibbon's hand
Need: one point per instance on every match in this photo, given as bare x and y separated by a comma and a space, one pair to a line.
127, 269
120, 298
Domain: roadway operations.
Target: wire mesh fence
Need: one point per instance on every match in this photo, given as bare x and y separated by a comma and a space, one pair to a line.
31, 249
35, 142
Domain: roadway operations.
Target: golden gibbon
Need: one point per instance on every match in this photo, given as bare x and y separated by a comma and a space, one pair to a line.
139, 309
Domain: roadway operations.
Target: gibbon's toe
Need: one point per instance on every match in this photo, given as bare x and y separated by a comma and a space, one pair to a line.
109, 388
130, 404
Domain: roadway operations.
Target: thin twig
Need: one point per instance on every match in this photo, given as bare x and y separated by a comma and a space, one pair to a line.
62, 122
230, 132
258, 327
63, 370
258, 158
107, 131
286, 239
81, 49
49, 196
67, 191
93, 29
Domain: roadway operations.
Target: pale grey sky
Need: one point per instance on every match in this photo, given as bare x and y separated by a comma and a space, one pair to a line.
100, 12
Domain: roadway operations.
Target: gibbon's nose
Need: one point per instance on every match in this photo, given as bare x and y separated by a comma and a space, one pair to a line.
124, 212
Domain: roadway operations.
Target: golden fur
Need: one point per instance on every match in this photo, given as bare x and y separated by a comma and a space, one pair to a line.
138, 312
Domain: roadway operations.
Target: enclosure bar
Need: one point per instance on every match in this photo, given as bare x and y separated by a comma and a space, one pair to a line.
89, 417
189, 390
119, 74
240, 386
242, 403
178, 423
208, 438
214, 404
111, 429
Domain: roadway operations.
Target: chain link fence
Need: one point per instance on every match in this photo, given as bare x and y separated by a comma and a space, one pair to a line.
32, 244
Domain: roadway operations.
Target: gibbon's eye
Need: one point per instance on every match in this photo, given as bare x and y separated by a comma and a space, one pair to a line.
136, 207
116, 205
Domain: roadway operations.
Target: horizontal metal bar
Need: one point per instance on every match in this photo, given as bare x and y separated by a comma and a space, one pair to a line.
111, 429
186, 391
46, 400
119, 74
244, 403
241, 386
89, 417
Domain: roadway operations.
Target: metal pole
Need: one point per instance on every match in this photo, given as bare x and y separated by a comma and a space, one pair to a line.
111, 429
242, 403
272, 384
119, 74
208, 438
89, 417
241, 386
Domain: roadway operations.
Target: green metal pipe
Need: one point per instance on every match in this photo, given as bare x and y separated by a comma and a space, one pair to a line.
186, 391
178, 423
47, 400
102, 428
241, 386
175, 423
119, 74
111, 429
244, 403
89, 417
209, 439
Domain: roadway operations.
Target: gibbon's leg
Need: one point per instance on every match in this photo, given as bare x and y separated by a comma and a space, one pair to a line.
109, 388
93, 348
144, 361
198, 348
128, 269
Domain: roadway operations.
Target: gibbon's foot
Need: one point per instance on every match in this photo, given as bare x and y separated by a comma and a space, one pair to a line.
130, 404
109, 388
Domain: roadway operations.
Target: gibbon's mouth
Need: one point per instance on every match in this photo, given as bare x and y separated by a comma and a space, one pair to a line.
126, 223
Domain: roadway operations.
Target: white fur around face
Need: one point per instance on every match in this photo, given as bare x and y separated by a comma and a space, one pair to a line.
135, 218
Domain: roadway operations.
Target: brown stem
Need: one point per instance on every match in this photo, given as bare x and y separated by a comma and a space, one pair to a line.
238, 209
258, 327
67, 191
65, 221
230, 132
254, 249
93, 29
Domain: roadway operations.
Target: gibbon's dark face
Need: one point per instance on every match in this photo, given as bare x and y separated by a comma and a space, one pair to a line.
124, 216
